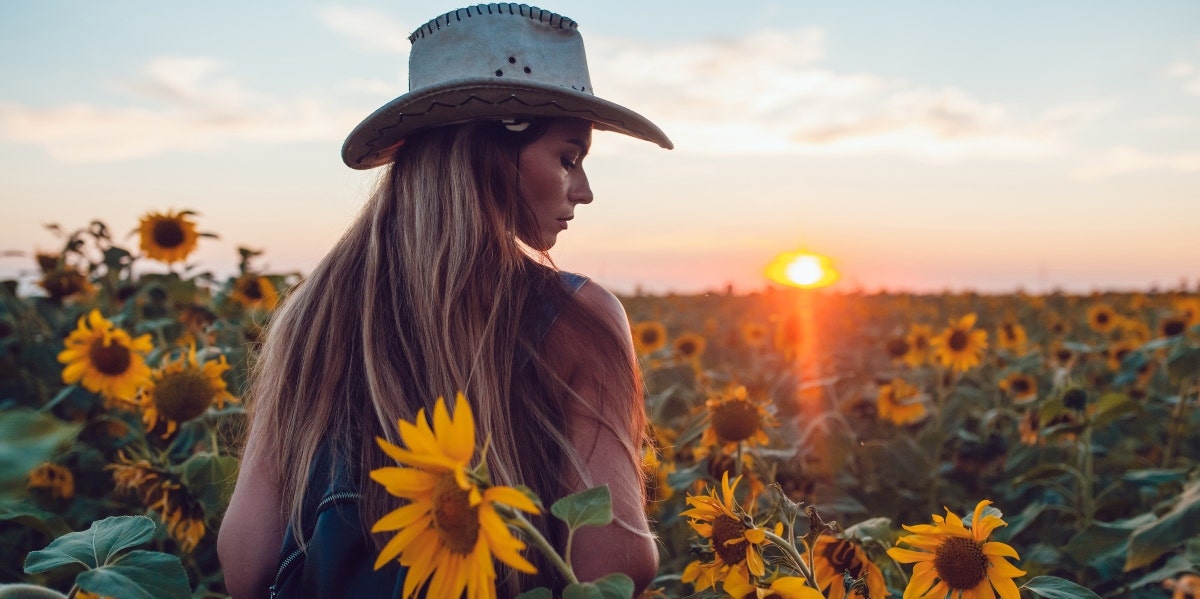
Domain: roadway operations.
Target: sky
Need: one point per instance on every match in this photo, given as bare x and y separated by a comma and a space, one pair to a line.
923, 145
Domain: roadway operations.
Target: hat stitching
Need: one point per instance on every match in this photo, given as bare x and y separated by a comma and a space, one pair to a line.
530, 12
380, 132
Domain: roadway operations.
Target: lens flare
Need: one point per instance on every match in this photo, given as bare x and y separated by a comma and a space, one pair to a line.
803, 270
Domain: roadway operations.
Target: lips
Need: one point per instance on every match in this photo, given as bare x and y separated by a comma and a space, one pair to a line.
562, 222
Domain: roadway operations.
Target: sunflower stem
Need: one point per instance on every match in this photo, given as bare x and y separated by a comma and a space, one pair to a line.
1177, 426
515, 519
793, 555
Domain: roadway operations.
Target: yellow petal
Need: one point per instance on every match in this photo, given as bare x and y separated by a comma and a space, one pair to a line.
512, 498
755, 561
755, 535
1005, 586
1001, 567
906, 556
401, 517
1000, 549
389, 551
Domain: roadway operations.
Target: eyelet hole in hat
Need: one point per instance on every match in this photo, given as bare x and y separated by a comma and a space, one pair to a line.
528, 70
499, 73
512, 60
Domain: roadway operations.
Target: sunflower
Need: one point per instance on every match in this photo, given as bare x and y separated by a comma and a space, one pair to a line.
61, 284
105, 358
649, 336
1118, 351
754, 333
733, 541
255, 292
689, 347
734, 418
169, 237
956, 561
161, 491
899, 402
658, 489
1012, 337
56, 480
919, 338
1062, 356
182, 390
1189, 307
739, 586
1022, 387
896, 347
449, 529
834, 558
960, 347
1102, 318
1172, 325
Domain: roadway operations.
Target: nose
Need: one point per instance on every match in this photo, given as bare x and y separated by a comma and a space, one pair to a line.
581, 190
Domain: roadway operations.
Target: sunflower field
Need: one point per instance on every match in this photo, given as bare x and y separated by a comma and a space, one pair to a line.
802, 443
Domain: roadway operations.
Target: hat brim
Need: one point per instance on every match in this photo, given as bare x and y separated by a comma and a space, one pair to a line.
374, 141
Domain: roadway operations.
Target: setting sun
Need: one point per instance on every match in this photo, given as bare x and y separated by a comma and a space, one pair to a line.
802, 269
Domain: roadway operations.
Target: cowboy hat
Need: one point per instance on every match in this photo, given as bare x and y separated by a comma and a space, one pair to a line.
494, 62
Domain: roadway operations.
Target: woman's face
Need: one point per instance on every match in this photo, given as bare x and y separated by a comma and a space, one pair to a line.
552, 178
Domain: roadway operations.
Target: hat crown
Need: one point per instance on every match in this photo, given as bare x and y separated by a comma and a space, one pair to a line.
503, 42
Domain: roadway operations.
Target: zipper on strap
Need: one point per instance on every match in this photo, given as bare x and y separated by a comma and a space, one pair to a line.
291, 557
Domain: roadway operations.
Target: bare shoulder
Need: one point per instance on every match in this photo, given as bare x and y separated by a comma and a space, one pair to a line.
604, 304
574, 340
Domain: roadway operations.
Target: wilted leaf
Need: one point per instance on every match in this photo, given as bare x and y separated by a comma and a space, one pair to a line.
139, 575
93, 547
592, 507
1111, 406
1053, 587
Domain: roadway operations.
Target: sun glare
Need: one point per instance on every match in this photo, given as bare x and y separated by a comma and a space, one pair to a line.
803, 270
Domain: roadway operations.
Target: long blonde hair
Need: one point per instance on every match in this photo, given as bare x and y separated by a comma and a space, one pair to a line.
430, 291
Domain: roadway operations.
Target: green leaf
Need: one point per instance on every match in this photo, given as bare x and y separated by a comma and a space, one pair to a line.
1181, 523
592, 507
582, 590
1153, 477
538, 593
1103, 545
1053, 587
28, 438
139, 575
1112, 406
210, 479
615, 586
93, 547
1183, 363
40, 520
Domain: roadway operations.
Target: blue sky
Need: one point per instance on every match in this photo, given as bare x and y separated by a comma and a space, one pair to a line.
922, 145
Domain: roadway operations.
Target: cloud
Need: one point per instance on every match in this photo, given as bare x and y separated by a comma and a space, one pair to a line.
179, 103
370, 29
1185, 72
1124, 159
767, 92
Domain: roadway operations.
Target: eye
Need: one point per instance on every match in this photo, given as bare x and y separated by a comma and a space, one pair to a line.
569, 161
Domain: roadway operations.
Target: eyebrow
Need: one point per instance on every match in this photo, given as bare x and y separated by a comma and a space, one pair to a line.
581, 144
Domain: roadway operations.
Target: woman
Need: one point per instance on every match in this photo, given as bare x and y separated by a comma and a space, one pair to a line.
441, 285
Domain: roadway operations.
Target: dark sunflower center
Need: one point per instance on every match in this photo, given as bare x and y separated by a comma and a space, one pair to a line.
736, 420
1020, 385
649, 336
897, 347
111, 359
1010, 333
726, 529
1063, 355
167, 233
921, 342
958, 340
1172, 327
457, 523
252, 290
1102, 318
844, 558
961, 563
687, 348
181, 396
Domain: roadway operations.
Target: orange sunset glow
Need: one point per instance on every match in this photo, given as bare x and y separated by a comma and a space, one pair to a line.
803, 270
